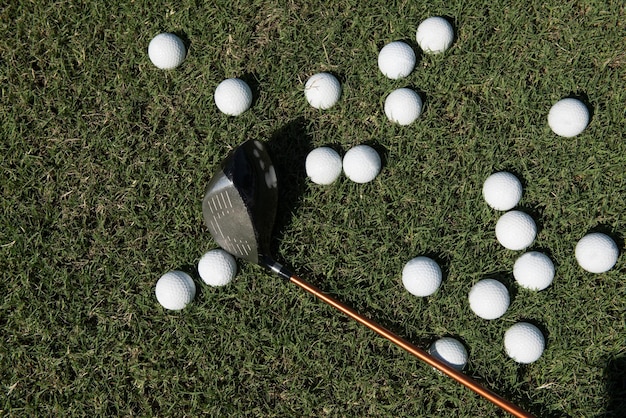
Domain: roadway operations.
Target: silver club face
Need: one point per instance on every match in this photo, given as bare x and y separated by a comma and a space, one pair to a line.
239, 206
227, 219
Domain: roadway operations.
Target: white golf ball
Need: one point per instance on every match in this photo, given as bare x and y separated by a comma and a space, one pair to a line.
166, 51
217, 267
502, 190
524, 342
233, 96
421, 276
533, 270
596, 252
516, 230
489, 299
322, 90
403, 106
568, 117
396, 60
434, 35
175, 289
451, 351
361, 164
323, 165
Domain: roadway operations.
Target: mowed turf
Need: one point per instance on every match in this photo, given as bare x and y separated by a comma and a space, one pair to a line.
106, 158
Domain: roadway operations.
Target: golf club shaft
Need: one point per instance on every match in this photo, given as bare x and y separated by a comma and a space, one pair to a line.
416, 351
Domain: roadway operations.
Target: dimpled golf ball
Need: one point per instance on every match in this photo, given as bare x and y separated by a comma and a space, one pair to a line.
322, 90
434, 35
403, 106
233, 96
175, 289
361, 164
421, 276
451, 351
534, 270
166, 51
217, 268
323, 165
516, 230
524, 342
502, 191
489, 299
596, 252
396, 60
568, 117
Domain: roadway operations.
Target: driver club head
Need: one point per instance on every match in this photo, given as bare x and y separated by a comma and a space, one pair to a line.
240, 203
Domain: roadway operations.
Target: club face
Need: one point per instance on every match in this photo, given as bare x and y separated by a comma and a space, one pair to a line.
239, 206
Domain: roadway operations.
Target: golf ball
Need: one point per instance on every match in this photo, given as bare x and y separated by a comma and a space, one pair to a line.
166, 51
434, 35
175, 289
596, 252
361, 164
233, 96
489, 299
451, 351
516, 230
568, 117
323, 165
524, 342
322, 90
403, 106
396, 60
217, 267
533, 270
421, 276
502, 190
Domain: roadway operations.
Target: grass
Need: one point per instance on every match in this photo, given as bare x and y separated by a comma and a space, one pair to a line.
105, 161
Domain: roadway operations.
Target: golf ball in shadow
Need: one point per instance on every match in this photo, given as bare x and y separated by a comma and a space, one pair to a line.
516, 230
396, 60
502, 191
596, 252
489, 299
434, 35
451, 351
233, 96
361, 164
166, 51
322, 90
421, 276
175, 290
217, 268
568, 117
323, 165
524, 342
403, 106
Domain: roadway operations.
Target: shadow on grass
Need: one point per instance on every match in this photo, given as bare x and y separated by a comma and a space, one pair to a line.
615, 377
288, 148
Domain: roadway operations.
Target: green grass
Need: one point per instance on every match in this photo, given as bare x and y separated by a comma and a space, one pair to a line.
105, 161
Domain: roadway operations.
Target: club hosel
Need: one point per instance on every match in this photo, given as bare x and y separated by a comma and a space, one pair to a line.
275, 267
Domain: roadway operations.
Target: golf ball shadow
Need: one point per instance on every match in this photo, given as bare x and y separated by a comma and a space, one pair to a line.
381, 150
507, 279
537, 215
610, 232
252, 80
186, 41
584, 98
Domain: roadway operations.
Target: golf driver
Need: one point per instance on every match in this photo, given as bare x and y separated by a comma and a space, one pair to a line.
239, 209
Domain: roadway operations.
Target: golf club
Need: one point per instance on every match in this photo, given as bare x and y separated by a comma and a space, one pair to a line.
239, 209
